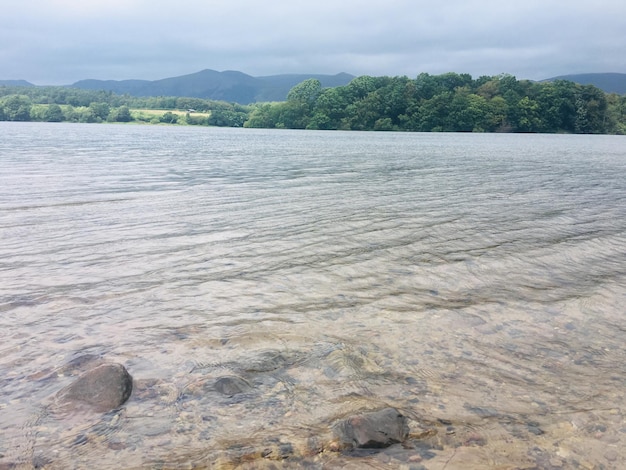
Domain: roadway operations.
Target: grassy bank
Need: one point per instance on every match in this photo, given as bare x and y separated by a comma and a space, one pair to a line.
168, 116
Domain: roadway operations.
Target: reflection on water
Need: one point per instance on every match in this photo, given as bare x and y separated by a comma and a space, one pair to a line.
261, 285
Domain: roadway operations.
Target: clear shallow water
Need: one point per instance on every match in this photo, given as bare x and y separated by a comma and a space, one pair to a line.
475, 282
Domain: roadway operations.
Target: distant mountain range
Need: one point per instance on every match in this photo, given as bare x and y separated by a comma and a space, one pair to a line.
608, 82
228, 86
231, 86
15, 83
238, 87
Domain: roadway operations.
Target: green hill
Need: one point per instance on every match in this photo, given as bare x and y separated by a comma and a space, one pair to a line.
607, 82
15, 83
231, 86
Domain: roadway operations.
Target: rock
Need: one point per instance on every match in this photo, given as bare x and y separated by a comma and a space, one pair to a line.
376, 429
103, 388
611, 455
231, 385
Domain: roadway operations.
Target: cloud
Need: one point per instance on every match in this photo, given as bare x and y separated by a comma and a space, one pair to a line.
61, 41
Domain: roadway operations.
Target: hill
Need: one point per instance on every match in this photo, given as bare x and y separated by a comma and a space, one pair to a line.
15, 83
607, 82
231, 86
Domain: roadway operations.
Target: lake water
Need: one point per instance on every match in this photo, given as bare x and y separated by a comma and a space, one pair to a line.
476, 283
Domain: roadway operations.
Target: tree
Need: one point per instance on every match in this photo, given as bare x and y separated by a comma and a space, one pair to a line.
292, 114
169, 118
53, 113
295, 113
262, 116
17, 108
121, 114
100, 110
616, 113
468, 112
557, 101
434, 112
227, 118
497, 112
360, 87
71, 115
330, 108
306, 92
528, 115
591, 102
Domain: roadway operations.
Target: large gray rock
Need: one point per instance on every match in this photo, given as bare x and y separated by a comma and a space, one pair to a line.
375, 429
102, 389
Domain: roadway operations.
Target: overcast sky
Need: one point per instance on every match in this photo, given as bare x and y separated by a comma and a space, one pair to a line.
55, 42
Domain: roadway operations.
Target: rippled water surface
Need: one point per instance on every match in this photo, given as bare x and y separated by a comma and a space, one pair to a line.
476, 283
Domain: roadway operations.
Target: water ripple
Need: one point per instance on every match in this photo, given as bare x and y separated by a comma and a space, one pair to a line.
476, 283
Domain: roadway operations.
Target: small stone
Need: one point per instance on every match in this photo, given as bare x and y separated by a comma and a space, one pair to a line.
475, 440
611, 455
556, 462
334, 446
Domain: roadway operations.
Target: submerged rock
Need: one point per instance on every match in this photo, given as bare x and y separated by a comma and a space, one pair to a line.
103, 388
231, 385
375, 429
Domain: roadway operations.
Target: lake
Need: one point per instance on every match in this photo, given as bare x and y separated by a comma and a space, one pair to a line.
474, 282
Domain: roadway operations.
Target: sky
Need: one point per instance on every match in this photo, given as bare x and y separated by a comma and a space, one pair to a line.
58, 42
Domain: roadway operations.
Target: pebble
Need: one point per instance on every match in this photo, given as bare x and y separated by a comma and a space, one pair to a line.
611, 455
556, 462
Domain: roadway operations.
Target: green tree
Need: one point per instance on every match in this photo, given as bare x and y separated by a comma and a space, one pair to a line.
86, 114
305, 92
53, 113
467, 112
497, 112
70, 113
291, 115
196, 104
121, 114
17, 108
529, 119
384, 124
616, 113
330, 108
169, 118
263, 116
100, 110
227, 118
557, 102
296, 112
591, 102
360, 87
435, 111
426, 86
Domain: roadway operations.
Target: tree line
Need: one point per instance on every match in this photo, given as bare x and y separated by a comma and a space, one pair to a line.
63, 104
449, 102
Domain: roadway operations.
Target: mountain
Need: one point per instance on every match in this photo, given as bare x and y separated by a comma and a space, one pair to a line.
229, 86
276, 87
607, 82
15, 83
